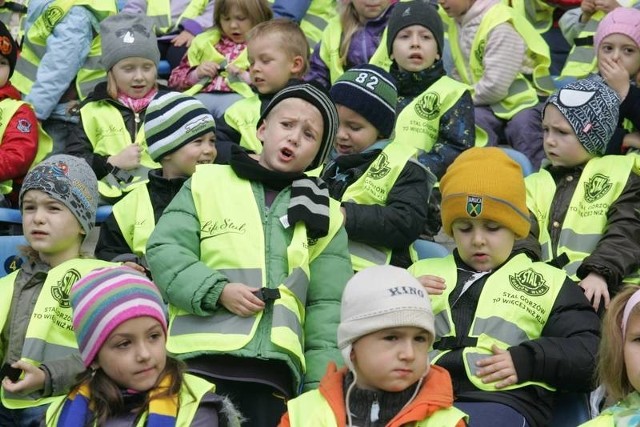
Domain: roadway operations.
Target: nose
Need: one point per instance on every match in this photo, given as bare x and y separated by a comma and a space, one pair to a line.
477, 238
38, 216
143, 354
294, 136
407, 352
342, 133
415, 40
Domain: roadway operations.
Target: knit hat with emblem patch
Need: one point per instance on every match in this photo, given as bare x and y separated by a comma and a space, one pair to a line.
8, 47
591, 107
621, 20
485, 183
173, 120
417, 12
127, 36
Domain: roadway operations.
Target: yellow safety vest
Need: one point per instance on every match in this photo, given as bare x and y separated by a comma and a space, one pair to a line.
50, 334
108, 133
538, 13
600, 421
232, 241
315, 20
311, 408
134, 215
514, 306
373, 188
35, 46
8, 108
160, 13
243, 116
191, 393
601, 183
203, 49
522, 94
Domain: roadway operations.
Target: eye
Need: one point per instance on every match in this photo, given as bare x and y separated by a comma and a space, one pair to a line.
28, 207
286, 124
355, 128
493, 227
390, 337
123, 344
155, 336
421, 338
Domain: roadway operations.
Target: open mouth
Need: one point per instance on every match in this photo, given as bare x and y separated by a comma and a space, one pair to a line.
286, 153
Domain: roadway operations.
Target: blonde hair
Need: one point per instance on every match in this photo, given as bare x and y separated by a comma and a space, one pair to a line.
292, 39
256, 10
612, 370
350, 22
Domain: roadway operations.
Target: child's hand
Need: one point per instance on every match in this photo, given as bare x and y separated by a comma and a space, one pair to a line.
240, 299
135, 266
434, 285
498, 367
33, 379
183, 39
606, 5
128, 158
234, 69
631, 140
207, 69
616, 76
595, 289
588, 8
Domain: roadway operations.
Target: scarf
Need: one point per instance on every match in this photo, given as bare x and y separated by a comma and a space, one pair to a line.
162, 411
137, 104
626, 413
309, 201
411, 84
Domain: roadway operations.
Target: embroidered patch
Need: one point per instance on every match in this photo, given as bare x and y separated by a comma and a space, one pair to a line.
429, 106
474, 206
52, 15
5, 45
380, 167
597, 186
60, 291
24, 126
530, 282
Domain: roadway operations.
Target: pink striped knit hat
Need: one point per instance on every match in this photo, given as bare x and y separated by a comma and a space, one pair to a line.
104, 299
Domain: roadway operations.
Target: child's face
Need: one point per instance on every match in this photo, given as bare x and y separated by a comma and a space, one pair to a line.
235, 24
622, 50
456, 8
355, 133
50, 228
135, 76
134, 355
370, 9
560, 142
483, 245
183, 161
291, 136
632, 350
5, 69
270, 66
415, 48
391, 359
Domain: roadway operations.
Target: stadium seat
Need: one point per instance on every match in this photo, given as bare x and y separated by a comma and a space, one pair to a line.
164, 68
522, 159
570, 410
102, 213
10, 258
427, 249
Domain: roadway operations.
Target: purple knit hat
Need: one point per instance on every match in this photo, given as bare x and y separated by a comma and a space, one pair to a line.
621, 20
104, 299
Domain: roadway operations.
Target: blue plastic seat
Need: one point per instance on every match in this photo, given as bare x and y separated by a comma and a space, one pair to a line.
164, 68
570, 410
10, 256
102, 213
428, 249
522, 159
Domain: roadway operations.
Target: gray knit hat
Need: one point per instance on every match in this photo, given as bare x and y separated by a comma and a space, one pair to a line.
125, 36
591, 107
173, 120
381, 297
70, 181
416, 12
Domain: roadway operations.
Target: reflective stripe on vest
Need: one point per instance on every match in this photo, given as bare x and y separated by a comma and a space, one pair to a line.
537, 12
134, 215
34, 46
203, 49
50, 334
601, 183
514, 306
581, 60
160, 13
108, 133
316, 18
243, 116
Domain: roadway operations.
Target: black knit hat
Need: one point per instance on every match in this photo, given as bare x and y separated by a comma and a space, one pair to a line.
8, 47
317, 96
416, 12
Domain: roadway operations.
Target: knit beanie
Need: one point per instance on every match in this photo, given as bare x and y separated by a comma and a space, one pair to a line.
318, 97
104, 299
591, 107
173, 120
621, 20
485, 183
416, 12
8, 47
371, 92
381, 297
70, 181
127, 36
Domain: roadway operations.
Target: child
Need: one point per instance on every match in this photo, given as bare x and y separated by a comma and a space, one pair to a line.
386, 329
180, 135
383, 189
215, 66
109, 136
312, 15
584, 204
58, 201
120, 322
509, 331
350, 39
619, 360
277, 52
252, 258
493, 48
435, 112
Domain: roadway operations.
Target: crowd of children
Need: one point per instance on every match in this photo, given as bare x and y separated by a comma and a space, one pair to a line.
258, 266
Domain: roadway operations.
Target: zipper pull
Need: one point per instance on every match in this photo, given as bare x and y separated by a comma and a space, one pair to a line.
136, 117
375, 410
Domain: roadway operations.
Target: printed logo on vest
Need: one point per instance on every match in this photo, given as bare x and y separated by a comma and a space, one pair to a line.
480, 51
530, 282
597, 186
474, 206
219, 227
429, 106
52, 16
60, 292
380, 167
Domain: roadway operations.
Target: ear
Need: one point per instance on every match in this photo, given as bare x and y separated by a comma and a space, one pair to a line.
297, 65
261, 130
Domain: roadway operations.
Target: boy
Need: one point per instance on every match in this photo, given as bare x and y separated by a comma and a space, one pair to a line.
585, 204
383, 189
58, 201
277, 52
386, 329
510, 331
180, 135
252, 258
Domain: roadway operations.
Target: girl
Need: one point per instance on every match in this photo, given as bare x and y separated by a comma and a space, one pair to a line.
216, 63
349, 39
121, 327
619, 371
109, 135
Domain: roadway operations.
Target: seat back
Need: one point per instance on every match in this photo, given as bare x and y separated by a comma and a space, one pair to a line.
10, 256
428, 249
570, 410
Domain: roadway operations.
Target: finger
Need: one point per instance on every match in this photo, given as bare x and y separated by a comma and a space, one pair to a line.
607, 300
431, 290
509, 381
488, 361
596, 301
